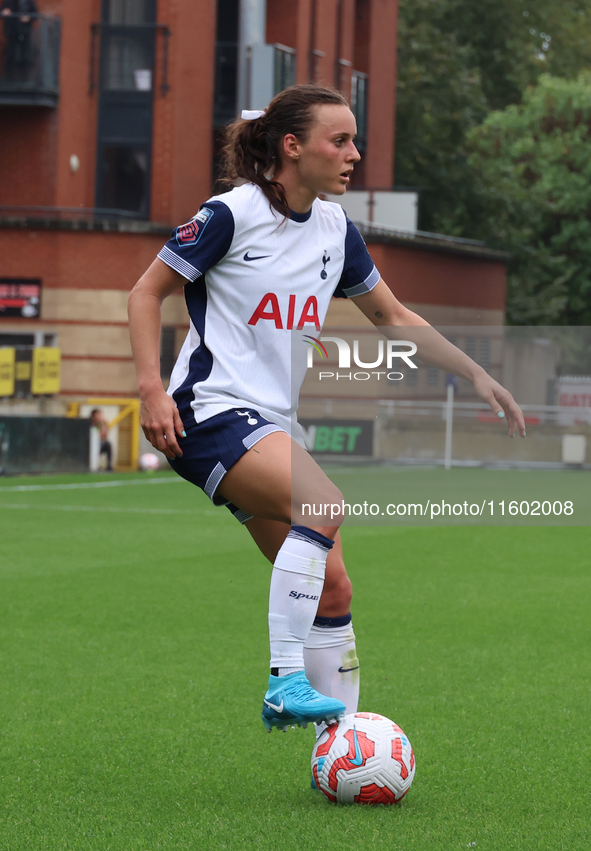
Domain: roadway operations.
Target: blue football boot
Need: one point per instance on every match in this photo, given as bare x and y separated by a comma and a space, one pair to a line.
291, 701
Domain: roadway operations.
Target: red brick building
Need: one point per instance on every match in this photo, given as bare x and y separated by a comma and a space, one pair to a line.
108, 137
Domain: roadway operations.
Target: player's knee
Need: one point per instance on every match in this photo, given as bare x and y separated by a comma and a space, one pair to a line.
325, 509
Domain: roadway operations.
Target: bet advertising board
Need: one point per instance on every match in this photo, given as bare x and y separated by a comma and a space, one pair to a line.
338, 437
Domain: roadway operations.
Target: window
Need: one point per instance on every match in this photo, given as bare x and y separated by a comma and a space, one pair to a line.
359, 106
128, 60
127, 50
127, 31
128, 11
226, 63
125, 178
285, 68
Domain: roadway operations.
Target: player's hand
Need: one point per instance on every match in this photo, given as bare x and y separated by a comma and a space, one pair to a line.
501, 402
161, 423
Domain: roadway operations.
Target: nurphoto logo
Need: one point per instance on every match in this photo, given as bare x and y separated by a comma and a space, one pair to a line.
401, 350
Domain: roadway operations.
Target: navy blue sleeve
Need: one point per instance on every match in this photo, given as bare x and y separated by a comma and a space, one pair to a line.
201, 243
359, 272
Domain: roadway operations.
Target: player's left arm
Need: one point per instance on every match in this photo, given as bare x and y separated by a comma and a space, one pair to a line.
396, 321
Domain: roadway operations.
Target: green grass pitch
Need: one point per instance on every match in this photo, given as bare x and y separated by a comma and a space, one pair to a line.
134, 661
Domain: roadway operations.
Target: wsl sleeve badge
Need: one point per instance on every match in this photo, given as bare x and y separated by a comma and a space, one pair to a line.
191, 232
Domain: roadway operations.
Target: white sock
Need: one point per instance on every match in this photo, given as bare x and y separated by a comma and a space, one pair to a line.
332, 666
296, 585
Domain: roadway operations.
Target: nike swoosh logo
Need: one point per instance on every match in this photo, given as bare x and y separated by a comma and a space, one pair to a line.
358, 755
260, 257
346, 670
272, 705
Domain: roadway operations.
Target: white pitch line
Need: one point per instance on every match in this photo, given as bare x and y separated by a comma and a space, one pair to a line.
112, 483
108, 508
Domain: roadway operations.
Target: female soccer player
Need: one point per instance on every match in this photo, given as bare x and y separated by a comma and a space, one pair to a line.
260, 264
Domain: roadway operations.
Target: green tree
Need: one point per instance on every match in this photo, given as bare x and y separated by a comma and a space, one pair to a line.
439, 99
512, 43
457, 61
533, 162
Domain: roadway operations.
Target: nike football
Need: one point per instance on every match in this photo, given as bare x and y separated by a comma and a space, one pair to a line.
149, 461
363, 759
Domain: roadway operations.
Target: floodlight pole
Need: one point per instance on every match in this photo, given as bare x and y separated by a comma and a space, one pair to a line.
449, 414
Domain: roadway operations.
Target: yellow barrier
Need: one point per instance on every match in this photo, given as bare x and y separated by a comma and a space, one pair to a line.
46, 377
7, 371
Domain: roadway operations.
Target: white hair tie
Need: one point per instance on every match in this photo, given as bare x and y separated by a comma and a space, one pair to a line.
251, 114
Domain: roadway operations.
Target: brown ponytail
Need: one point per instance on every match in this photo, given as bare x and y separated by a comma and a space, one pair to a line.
253, 149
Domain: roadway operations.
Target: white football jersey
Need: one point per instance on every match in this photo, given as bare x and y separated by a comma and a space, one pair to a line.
258, 285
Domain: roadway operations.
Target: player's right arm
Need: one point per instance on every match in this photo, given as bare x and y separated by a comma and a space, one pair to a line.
159, 417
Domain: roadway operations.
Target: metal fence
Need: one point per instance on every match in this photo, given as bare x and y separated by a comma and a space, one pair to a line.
453, 433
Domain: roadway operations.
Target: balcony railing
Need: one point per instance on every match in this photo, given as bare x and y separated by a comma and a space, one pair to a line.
78, 219
29, 60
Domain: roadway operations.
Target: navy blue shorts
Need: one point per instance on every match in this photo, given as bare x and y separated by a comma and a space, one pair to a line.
213, 446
